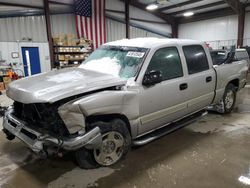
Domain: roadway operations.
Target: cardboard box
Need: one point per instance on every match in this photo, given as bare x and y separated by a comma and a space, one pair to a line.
6, 85
1, 86
6, 79
61, 58
60, 39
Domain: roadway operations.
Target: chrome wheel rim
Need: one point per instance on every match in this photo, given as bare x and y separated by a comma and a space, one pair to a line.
229, 99
111, 150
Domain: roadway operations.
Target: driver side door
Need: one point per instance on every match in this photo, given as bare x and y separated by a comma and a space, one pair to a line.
163, 102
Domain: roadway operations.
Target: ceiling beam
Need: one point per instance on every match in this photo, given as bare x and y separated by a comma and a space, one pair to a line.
179, 5
207, 15
20, 5
33, 6
235, 5
60, 3
199, 7
169, 19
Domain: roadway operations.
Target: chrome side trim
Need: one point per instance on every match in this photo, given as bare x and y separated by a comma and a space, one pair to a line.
166, 129
166, 124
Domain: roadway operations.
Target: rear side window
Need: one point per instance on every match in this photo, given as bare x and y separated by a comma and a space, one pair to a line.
241, 55
196, 59
166, 60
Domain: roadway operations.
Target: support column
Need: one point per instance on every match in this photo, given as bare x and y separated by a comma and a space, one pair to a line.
49, 33
127, 18
174, 27
241, 26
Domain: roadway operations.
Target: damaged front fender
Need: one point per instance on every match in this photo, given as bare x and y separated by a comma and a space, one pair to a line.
73, 117
107, 102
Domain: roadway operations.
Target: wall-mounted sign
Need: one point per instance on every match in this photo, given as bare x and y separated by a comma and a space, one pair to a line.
14, 55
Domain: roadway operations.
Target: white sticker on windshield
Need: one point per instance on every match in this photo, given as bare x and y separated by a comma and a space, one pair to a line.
135, 54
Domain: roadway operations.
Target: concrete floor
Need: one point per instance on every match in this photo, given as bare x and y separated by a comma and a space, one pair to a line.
213, 152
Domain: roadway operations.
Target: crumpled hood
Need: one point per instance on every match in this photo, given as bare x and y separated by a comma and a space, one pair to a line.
59, 84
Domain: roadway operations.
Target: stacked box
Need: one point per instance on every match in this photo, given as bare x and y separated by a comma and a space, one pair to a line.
1, 86
71, 39
61, 58
6, 81
60, 40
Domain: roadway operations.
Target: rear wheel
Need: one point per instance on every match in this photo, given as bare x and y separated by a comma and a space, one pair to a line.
229, 98
116, 141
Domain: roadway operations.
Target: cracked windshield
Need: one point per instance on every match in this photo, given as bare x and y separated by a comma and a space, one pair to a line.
122, 62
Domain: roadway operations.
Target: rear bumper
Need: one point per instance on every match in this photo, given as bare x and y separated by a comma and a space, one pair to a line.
36, 140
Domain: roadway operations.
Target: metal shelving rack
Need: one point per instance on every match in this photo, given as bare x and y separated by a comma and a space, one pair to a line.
71, 51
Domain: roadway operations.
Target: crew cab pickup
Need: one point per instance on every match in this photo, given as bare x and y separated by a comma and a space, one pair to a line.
128, 92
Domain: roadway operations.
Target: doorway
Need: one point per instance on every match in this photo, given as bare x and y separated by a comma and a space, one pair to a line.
31, 60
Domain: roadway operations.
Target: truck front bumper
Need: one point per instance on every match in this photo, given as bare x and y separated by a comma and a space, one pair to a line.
36, 140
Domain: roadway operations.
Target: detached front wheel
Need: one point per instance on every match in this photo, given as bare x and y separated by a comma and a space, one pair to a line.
229, 98
116, 142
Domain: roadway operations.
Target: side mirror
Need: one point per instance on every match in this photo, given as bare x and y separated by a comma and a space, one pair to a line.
151, 78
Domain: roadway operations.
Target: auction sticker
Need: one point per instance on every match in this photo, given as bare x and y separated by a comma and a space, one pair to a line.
135, 54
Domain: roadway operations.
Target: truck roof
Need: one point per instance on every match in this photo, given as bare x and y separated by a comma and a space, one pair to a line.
151, 42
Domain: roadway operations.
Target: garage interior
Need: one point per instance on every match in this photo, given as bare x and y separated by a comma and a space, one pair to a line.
37, 36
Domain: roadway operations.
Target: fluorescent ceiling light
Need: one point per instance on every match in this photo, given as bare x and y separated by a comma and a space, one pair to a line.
152, 7
187, 14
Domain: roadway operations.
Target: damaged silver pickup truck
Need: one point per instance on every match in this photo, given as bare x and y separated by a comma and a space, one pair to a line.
128, 92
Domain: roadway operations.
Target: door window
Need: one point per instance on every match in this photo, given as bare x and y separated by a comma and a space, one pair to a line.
196, 58
166, 60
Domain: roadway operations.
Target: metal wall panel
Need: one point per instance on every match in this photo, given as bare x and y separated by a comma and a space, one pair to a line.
139, 14
246, 40
17, 28
34, 27
116, 31
63, 23
136, 32
224, 28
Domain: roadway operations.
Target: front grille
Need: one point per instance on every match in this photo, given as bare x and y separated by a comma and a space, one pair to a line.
42, 116
12, 124
29, 134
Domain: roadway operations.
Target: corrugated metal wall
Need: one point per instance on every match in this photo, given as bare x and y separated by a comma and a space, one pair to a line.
13, 30
246, 40
136, 13
17, 28
116, 30
217, 32
224, 28
63, 23
34, 27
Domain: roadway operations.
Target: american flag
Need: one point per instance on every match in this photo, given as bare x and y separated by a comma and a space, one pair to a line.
90, 20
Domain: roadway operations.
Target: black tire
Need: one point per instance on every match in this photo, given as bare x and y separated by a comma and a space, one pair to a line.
9, 135
228, 107
86, 159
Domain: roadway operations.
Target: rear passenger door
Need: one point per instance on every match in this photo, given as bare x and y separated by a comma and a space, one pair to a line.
201, 78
